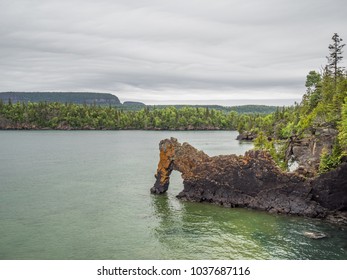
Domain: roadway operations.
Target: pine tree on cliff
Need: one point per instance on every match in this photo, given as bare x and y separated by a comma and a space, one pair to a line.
335, 57
333, 91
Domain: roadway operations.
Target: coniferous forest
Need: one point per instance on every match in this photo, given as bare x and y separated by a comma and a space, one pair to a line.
73, 116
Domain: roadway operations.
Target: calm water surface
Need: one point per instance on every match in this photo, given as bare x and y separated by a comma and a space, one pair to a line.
85, 195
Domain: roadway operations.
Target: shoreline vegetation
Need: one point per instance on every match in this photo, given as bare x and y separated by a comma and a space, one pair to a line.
72, 116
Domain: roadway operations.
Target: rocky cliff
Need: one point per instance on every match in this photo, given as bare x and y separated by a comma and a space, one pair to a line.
252, 180
306, 151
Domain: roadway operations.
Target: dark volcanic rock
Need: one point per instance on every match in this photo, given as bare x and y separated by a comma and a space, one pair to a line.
330, 189
252, 180
246, 136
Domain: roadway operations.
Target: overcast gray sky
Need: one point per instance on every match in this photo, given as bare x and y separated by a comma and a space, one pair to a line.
167, 51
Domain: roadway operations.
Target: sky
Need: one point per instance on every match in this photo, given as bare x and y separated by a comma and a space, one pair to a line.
226, 52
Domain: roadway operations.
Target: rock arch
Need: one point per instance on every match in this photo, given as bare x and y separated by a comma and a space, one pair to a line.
252, 180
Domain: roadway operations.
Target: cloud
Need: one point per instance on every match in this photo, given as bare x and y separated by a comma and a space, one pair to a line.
166, 50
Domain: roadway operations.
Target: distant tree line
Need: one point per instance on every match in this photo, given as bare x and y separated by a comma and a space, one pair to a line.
242, 109
75, 116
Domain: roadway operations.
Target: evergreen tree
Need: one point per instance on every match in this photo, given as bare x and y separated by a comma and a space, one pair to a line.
335, 56
312, 80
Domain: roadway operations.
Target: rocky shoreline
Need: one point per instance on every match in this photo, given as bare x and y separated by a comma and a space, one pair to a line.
252, 181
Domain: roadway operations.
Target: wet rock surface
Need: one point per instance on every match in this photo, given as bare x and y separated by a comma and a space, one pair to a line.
252, 181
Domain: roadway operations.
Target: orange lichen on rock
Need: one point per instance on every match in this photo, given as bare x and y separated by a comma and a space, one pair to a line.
165, 160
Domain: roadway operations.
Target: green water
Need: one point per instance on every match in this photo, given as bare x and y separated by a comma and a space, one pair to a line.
85, 195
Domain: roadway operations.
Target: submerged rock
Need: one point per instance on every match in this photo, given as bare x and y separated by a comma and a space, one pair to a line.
252, 180
314, 234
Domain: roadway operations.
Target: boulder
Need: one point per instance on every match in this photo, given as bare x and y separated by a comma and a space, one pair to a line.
314, 234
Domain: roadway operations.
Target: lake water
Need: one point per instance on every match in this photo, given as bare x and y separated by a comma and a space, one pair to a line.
85, 195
